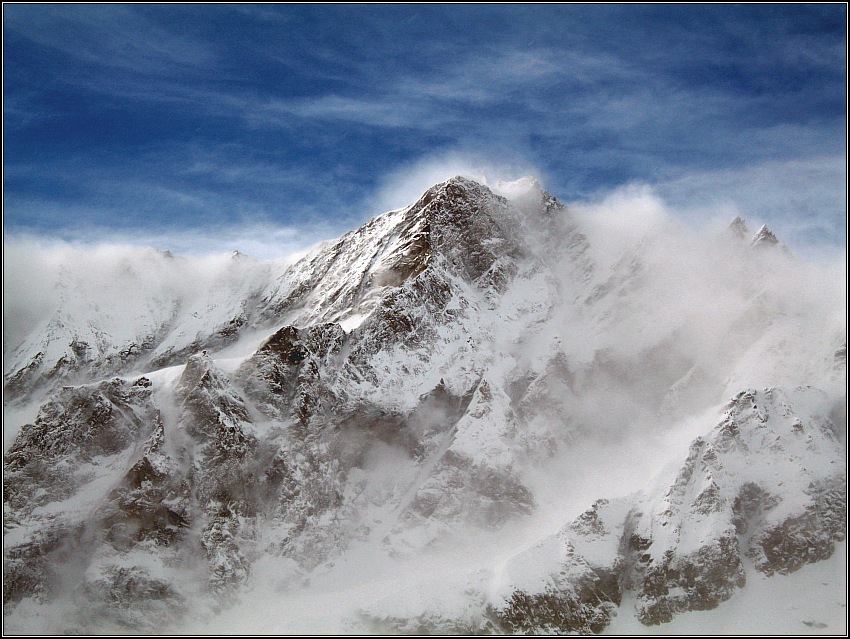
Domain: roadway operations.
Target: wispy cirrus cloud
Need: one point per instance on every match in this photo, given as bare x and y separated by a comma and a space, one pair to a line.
296, 114
109, 37
382, 112
195, 188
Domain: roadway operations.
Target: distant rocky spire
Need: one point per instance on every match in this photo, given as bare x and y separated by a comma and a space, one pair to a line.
739, 228
764, 237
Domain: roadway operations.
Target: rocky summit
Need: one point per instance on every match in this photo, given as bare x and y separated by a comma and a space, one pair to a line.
448, 393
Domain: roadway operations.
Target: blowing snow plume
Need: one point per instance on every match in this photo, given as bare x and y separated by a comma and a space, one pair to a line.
477, 413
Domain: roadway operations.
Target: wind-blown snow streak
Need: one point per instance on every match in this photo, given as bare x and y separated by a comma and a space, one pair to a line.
536, 418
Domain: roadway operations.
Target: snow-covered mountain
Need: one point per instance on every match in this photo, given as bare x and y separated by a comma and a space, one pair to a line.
541, 423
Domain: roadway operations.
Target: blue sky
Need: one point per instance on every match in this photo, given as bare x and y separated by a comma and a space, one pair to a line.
192, 126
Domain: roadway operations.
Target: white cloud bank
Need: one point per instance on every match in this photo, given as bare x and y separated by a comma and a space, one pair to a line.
804, 201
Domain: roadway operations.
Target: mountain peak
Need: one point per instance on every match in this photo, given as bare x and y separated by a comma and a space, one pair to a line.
461, 181
457, 197
739, 229
764, 237
459, 185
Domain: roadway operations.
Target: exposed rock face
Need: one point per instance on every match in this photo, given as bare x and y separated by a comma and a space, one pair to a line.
54, 474
284, 376
580, 594
152, 501
412, 377
124, 598
224, 459
86, 421
101, 450
806, 537
682, 547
